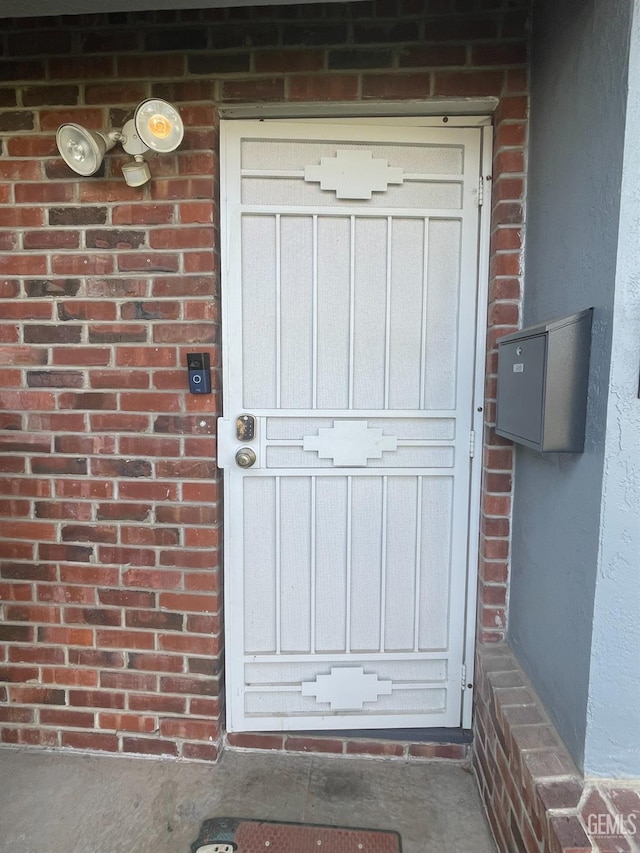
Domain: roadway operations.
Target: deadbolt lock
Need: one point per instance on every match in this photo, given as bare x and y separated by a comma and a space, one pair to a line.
245, 427
245, 457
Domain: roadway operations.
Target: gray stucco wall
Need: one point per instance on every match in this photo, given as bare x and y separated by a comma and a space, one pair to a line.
578, 104
613, 718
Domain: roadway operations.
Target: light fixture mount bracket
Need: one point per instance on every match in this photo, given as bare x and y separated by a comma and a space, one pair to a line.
130, 140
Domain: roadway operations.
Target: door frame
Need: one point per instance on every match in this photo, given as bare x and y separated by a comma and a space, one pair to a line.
414, 114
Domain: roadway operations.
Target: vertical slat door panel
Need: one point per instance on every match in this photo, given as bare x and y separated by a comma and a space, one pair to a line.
331, 564
295, 564
435, 561
259, 538
443, 276
407, 325
369, 313
333, 323
402, 522
349, 326
259, 311
366, 564
296, 311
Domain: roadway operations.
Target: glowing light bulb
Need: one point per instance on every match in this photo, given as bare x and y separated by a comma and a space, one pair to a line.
159, 126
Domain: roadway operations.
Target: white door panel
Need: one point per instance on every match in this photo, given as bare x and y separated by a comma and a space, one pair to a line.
349, 305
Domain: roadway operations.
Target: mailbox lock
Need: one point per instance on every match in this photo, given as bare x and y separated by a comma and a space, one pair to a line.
245, 457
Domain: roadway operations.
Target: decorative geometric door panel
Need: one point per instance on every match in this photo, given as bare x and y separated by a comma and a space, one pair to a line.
350, 257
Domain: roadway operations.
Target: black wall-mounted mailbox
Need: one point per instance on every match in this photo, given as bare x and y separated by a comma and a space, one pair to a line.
543, 375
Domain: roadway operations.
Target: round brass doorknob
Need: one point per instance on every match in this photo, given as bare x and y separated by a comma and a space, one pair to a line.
245, 457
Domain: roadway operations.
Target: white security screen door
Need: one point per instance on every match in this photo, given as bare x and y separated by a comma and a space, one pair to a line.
349, 322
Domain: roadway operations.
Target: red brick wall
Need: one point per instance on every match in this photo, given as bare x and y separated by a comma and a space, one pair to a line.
110, 559
536, 799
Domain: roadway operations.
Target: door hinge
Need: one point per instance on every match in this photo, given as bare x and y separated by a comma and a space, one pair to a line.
463, 679
472, 443
480, 191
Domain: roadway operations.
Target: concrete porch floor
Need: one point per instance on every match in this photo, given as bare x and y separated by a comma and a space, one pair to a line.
73, 803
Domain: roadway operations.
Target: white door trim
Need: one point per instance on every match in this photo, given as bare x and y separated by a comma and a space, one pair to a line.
475, 495
456, 112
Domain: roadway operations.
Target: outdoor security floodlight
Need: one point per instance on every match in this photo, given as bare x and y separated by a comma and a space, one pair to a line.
83, 150
155, 126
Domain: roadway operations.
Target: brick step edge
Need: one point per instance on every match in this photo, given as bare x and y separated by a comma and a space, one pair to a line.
348, 746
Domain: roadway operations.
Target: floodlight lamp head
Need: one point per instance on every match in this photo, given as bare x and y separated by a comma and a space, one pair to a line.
81, 149
158, 125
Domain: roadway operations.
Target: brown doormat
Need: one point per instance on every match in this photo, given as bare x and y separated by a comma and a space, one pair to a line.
224, 835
